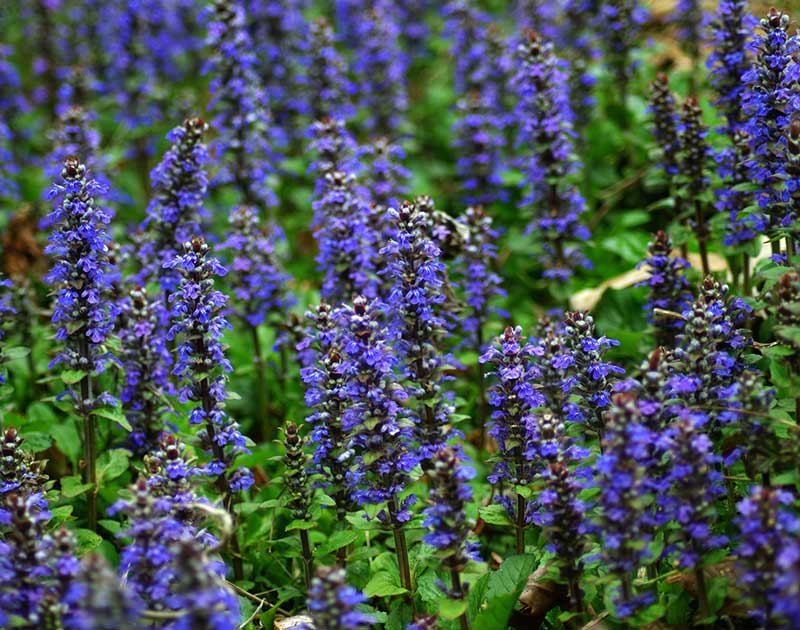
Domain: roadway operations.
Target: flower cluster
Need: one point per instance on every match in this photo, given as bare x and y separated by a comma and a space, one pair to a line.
198, 324
98, 598
514, 400
334, 149
146, 360
546, 137
380, 65
416, 306
446, 517
587, 377
619, 25
242, 117
330, 90
669, 288
296, 475
665, 122
769, 528
82, 274
374, 415
385, 173
482, 285
257, 281
20, 473
334, 604
180, 184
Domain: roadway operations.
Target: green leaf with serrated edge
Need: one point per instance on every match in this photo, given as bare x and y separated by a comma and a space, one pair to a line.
495, 515
512, 575
18, 352
384, 584
87, 541
496, 614
477, 594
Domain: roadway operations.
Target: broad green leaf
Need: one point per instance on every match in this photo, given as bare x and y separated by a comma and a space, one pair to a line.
70, 377
87, 541
73, 487
452, 608
495, 514
16, 353
384, 585
336, 541
111, 464
298, 524
115, 414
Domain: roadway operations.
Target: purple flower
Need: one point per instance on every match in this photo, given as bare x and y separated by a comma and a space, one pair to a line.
330, 91
98, 598
256, 279
665, 122
201, 365
241, 106
544, 114
385, 174
619, 26
334, 604
174, 213
82, 275
768, 529
446, 517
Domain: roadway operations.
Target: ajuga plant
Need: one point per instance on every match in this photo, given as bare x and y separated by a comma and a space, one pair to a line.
198, 316
588, 378
379, 65
326, 397
689, 19
768, 111
514, 399
7, 315
258, 286
693, 178
446, 518
475, 265
146, 361
784, 300
36, 567
330, 91
618, 24
20, 473
730, 30
379, 425
298, 501
546, 142
245, 147
670, 293
465, 26
334, 149
582, 50
280, 33
385, 175
665, 123
174, 213
625, 519
333, 603
768, 527
81, 280
99, 599
346, 243
694, 484
419, 320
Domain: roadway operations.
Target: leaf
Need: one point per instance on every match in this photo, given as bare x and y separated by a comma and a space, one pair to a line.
87, 541
115, 414
336, 541
452, 608
111, 464
496, 614
37, 441
70, 377
384, 585
477, 593
495, 514
512, 576
298, 524
18, 352
73, 487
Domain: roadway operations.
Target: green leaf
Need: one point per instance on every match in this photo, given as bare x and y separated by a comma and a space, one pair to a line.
512, 576
298, 524
70, 377
111, 464
37, 441
650, 615
73, 487
336, 541
16, 353
495, 514
384, 585
452, 608
496, 614
477, 594
87, 541
115, 414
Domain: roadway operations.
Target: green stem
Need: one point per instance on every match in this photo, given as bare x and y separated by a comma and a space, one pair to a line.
265, 428
89, 441
456, 580
401, 548
307, 558
520, 523
702, 234
702, 593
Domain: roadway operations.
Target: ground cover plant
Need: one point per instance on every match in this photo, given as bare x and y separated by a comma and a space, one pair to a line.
404, 314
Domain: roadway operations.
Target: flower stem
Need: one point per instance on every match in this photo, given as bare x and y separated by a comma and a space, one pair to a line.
401, 548
304, 543
265, 428
89, 442
456, 581
702, 593
520, 523
702, 234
